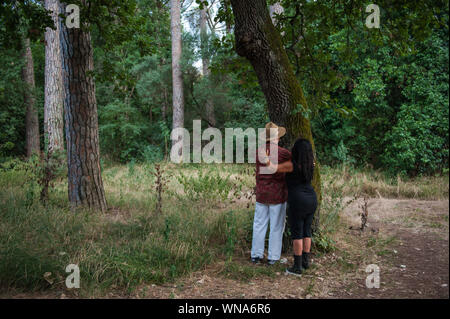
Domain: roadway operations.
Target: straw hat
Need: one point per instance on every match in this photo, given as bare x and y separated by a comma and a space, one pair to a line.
279, 132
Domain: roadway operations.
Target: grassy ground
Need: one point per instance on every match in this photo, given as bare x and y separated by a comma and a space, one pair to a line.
206, 219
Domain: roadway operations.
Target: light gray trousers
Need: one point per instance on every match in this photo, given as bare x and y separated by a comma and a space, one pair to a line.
276, 215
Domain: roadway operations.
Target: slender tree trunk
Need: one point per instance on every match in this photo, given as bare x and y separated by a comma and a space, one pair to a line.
258, 40
53, 105
32, 121
81, 120
209, 107
177, 75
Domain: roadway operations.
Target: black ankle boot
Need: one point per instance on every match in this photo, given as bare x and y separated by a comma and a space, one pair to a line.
297, 268
305, 260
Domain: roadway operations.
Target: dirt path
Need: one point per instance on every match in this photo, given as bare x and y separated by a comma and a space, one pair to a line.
418, 266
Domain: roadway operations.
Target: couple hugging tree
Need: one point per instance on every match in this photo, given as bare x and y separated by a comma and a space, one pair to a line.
288, 184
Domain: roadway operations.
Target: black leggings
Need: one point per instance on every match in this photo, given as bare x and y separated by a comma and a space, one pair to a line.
300, 225
302, 204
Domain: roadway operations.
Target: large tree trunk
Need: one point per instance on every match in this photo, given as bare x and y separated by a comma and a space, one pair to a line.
32, 121
177, 75
209, 107
258, 40
53, 103
81, 120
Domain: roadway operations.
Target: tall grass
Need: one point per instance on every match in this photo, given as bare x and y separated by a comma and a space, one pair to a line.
142, 248
133, 243
350, 182
129, 245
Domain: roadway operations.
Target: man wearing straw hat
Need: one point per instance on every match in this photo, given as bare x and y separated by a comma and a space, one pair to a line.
271, 196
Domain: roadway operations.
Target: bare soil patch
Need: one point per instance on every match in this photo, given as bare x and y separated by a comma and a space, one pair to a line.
416, 264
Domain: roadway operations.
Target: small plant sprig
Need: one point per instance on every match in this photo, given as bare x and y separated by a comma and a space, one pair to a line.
46, 175
364, 213
160, 185
249, 196
238, 189
51, 166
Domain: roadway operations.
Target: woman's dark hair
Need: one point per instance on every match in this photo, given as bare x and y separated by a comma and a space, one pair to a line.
303, 157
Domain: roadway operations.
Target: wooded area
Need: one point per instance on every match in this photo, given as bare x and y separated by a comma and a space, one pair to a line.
361, 84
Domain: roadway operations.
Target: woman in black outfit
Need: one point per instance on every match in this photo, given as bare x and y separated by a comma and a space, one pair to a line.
302, 201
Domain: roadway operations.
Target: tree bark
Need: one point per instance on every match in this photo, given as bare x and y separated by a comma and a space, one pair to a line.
177, 75
209, 107
32, 121
81, 120
53, 103
258, 40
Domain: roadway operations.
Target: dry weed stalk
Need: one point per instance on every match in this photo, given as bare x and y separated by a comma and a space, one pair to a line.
160, 185
364, 213
239, 192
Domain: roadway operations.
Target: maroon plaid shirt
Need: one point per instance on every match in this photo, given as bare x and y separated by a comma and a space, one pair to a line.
271, 188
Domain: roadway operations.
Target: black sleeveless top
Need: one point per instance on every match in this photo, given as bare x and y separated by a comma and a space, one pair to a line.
301, 195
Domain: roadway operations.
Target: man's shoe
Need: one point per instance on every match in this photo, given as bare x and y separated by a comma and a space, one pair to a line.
271, 262
256, 260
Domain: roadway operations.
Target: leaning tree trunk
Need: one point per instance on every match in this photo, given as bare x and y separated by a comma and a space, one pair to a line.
32, 121
209, 107
53, 101
81, 120
177, 75
258, 40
